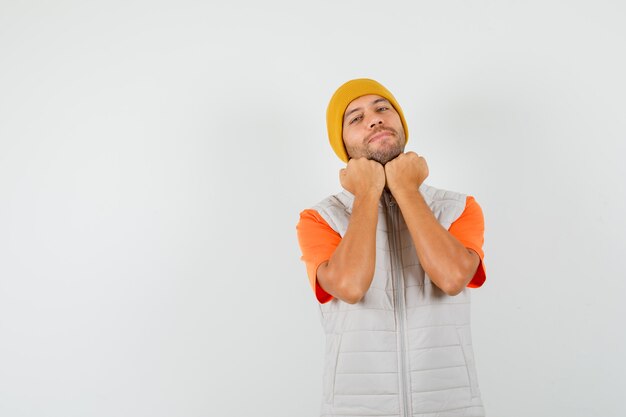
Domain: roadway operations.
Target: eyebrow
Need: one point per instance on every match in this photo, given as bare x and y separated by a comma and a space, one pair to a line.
378, 100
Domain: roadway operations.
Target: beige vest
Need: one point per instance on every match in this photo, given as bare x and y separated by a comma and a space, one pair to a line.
405, 349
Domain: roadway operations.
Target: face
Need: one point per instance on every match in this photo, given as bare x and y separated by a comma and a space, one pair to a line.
372, 129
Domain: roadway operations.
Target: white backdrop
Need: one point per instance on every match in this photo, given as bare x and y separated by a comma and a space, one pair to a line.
154, 158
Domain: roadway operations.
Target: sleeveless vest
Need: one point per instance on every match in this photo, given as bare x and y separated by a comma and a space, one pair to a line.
405, 349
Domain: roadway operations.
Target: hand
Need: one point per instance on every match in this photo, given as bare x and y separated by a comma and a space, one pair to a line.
407, 171
363, 176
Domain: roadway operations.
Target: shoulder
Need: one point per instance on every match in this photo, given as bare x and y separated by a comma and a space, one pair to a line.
434, 194
472, 215
336, 210
446, 205
342, 201
472, 207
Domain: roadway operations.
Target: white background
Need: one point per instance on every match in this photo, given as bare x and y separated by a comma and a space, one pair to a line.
155, 156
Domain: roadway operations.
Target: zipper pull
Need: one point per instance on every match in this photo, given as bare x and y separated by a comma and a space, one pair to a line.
389, 199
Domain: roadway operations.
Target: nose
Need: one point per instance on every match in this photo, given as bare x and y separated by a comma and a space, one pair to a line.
375, 120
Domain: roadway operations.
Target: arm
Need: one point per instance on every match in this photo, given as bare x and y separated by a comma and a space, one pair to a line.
449, 264
348, 273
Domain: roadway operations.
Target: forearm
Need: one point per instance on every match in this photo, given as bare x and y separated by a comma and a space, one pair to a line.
348, 273
447, 262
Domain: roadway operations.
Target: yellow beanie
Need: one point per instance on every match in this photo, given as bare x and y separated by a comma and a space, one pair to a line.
344, 95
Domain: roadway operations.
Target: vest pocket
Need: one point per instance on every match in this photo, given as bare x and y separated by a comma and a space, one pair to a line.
333, 343
468, 355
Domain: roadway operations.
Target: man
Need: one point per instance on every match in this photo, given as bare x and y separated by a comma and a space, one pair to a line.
389, 259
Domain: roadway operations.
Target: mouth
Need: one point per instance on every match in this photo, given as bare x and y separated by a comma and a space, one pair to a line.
378, 136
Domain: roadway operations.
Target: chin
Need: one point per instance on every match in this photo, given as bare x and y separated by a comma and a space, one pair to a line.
384, 156
383, 159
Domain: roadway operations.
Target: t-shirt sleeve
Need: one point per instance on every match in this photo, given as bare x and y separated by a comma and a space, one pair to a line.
317, 241
469, 229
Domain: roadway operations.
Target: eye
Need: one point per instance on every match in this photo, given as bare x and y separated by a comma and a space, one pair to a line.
356, 119
382, 108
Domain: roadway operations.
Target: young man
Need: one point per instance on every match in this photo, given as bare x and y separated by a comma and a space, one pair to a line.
390, 259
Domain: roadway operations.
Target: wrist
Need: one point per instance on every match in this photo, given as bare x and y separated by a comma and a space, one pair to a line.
369, 195
401, 192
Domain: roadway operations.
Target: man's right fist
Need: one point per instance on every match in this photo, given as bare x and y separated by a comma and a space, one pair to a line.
363, 176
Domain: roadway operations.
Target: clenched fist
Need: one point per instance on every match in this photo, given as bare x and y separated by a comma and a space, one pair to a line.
363, 176
405, 172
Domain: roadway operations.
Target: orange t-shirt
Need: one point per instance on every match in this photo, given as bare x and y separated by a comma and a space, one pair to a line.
318, 241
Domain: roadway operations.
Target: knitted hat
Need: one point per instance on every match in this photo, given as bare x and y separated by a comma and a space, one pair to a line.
344, 95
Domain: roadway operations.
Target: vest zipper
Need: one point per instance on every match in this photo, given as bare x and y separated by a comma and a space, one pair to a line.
397, 276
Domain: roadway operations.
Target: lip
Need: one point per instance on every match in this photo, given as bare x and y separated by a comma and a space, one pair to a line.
380, 135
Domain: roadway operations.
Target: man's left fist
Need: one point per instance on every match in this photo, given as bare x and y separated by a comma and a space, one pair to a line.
405, 172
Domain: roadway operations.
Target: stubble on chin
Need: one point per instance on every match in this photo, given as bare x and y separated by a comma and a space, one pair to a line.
384, 154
